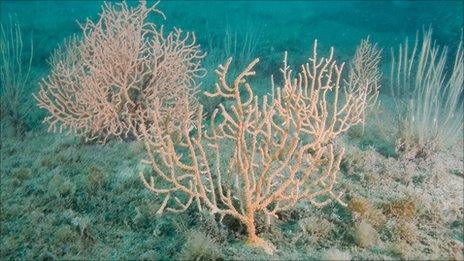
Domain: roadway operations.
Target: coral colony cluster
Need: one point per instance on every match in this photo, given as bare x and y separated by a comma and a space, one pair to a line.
253, 156
125, 77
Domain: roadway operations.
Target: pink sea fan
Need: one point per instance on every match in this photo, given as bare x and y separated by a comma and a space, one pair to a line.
100, 85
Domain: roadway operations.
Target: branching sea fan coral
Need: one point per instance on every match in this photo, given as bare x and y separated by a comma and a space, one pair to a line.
260, 155
120, 66
364, 74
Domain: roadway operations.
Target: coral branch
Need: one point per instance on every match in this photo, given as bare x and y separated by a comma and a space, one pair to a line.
262, 154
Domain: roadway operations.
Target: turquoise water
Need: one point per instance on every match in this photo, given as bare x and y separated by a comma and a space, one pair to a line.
63, 198
282, 25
